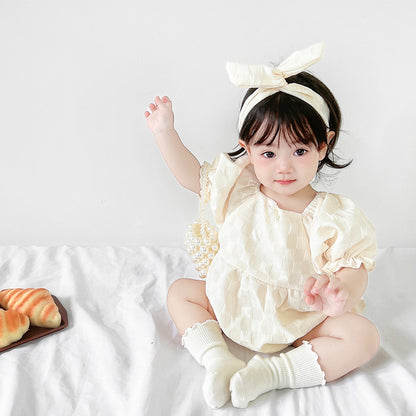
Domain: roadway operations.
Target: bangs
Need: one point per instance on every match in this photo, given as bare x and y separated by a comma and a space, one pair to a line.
283, 116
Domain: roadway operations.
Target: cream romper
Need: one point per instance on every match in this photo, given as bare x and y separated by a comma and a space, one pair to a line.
255, 282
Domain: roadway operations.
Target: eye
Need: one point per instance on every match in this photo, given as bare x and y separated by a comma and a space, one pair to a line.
300, 152
268, 155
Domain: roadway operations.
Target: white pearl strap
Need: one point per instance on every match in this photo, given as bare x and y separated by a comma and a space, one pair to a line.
201, 238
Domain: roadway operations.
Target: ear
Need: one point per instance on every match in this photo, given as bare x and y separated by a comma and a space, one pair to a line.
245, 146
322, 151
329, 136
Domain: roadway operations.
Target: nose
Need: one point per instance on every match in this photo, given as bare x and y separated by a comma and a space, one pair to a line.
283, 165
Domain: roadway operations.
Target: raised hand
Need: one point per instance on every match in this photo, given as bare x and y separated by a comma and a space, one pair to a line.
182, 163
160, 117
326, 295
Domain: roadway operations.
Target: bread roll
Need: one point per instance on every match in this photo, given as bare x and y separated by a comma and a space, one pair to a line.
13, 325
37, 304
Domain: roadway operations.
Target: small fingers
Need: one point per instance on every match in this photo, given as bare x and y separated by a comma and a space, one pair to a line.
152, 108
157, 102
321, 282
164, 100
310, 300
307, 288
315, 302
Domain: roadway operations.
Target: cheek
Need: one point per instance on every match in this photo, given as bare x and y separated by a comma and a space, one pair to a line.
309, 164
261, 168
261, 162
264, 166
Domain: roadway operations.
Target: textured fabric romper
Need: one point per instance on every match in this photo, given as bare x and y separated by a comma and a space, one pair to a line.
255, 282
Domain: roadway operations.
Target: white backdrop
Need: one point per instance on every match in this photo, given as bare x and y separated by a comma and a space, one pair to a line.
78, 165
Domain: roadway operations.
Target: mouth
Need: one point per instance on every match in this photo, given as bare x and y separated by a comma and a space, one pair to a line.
285, 182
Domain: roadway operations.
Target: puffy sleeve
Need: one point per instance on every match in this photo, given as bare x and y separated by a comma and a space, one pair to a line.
341, 236
218, 181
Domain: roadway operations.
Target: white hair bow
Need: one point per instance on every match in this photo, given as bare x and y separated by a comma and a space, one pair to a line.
269, 80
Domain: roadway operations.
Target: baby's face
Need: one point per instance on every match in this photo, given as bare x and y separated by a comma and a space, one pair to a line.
284, 168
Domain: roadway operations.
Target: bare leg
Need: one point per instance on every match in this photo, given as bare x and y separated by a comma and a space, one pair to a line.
334, 348
188, 304
195, 320
343, 343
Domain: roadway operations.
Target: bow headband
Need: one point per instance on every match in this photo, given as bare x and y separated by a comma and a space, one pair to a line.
269, 80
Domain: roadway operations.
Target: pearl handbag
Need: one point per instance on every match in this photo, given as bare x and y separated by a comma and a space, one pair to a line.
201, 238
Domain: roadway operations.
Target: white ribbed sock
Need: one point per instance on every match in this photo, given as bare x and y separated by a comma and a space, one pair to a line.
206, 344
296, 368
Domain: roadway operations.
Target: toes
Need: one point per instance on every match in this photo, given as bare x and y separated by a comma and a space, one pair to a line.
216, 392
238, 396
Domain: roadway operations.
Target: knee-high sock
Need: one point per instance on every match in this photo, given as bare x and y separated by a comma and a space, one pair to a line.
296, 368
206, 344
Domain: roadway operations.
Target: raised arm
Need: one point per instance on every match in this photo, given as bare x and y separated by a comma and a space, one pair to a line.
181, 162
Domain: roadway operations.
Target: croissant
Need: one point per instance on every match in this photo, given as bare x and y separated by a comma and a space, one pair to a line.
13, 325
37, 304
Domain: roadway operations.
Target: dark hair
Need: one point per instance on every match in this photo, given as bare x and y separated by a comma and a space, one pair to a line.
298, 120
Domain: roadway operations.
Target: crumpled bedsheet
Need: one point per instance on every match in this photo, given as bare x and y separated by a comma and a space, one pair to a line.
121, 354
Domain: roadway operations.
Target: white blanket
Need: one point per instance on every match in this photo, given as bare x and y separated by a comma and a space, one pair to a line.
121, 355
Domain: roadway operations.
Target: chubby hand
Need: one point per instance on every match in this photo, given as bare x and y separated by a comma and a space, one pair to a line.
325, 295
160, 117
